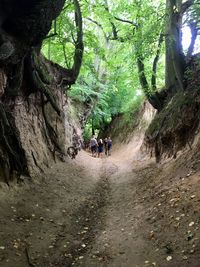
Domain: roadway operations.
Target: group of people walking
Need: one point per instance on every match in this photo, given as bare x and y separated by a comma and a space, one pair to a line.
98, 147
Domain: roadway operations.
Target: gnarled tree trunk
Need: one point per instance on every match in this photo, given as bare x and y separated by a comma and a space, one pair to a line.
31, 89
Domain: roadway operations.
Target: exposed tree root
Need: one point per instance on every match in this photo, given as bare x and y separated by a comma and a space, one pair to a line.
40, 81
51, 132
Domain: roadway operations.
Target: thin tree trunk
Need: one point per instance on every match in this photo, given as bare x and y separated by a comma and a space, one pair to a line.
93, 129
175, 64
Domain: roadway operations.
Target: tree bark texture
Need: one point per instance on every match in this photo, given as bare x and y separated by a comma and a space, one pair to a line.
32, 98
175, 64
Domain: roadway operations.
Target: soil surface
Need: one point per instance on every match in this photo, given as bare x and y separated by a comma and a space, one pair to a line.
123, 210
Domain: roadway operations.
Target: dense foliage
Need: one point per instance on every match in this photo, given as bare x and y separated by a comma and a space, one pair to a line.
124, 45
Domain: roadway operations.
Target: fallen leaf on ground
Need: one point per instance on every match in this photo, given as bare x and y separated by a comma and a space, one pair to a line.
169, 258
191, 224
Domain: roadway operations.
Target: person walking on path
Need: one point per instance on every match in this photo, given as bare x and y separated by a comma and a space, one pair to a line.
100, 148
109, 146
106, 146
93, 146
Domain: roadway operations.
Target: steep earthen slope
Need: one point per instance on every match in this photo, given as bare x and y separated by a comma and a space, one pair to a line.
177, 125
130, 127
42, 133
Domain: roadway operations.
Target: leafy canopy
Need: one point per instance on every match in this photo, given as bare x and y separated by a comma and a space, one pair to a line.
116, 32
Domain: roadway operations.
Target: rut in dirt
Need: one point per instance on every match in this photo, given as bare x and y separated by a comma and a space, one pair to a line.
87, 221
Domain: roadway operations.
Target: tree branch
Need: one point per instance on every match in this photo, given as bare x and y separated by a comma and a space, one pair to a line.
65, 55
50, 35
99, 25
114, 28
126, 21
186, 5
142, 76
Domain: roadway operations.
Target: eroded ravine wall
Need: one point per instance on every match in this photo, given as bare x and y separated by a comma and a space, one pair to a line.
129, 128
28, 114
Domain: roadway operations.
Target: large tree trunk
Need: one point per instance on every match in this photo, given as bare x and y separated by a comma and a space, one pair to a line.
175, 64
31, 101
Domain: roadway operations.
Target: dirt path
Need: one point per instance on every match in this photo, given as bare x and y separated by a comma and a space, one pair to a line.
100, 212
119, 243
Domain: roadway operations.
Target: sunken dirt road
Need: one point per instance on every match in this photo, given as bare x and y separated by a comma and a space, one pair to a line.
111, 212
